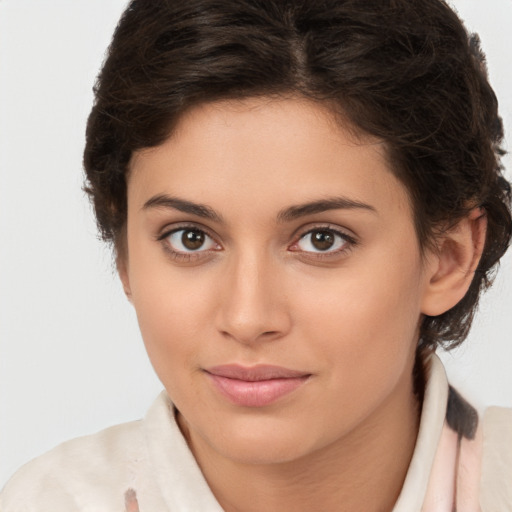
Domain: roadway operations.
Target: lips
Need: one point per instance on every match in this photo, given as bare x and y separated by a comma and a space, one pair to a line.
255, 386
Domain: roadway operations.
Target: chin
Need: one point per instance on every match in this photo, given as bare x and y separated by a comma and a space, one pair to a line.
263, 441
263, 451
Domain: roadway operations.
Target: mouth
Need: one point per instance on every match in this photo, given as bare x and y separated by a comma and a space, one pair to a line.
255, 386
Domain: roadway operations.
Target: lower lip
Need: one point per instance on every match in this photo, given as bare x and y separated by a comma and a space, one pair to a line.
258, 393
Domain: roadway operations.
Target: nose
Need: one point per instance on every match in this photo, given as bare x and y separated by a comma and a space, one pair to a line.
252, 300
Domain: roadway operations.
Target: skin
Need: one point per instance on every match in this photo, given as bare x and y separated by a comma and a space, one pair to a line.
258, 291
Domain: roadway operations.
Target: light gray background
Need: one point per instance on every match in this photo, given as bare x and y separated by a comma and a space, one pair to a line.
71, 358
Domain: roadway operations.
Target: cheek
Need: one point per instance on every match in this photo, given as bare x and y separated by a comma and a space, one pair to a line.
172, 336
363, 353
365, 323
170, 306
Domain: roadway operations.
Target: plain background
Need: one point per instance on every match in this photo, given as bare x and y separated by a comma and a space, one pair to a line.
71, 358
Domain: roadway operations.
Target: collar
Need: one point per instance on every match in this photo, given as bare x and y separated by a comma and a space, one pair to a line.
433, 414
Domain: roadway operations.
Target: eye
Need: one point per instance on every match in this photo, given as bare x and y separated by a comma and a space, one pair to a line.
189, 240
323, 240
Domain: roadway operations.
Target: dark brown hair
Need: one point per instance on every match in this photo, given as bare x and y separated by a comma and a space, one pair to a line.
405, 71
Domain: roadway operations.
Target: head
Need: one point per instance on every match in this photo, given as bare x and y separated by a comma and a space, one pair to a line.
388, 99
405, 73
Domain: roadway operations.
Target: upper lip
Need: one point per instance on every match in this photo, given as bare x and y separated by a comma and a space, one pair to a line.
255, 373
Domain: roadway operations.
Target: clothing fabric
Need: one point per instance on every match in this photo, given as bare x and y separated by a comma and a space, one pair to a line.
460, 463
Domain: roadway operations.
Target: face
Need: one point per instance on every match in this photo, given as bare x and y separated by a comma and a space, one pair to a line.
276, 275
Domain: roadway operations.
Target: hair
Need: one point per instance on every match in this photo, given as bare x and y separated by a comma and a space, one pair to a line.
405, 71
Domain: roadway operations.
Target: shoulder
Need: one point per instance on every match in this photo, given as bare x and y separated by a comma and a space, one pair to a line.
63, 478
496, 481
498, 421
144, 463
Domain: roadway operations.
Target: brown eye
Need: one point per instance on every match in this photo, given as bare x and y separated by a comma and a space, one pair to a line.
323, 240
186, 240
192, 240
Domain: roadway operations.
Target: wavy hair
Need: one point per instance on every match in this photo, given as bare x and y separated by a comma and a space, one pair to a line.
405, 71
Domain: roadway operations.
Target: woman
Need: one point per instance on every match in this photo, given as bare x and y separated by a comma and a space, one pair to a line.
305, 200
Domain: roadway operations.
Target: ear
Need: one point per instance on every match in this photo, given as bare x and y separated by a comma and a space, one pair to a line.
450, 269
122, 270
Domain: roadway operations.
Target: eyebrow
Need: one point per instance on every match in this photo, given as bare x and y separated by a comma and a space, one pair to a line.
286, 215
323, 205
182, 205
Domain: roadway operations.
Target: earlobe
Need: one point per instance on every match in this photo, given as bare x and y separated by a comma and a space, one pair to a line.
450, 269
122, 270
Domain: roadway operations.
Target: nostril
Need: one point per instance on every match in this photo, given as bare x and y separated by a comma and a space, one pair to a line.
248, 336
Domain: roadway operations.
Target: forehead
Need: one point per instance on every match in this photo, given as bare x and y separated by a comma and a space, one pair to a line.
282, 150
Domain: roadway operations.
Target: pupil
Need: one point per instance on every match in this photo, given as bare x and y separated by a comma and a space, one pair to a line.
192, 239
322, 240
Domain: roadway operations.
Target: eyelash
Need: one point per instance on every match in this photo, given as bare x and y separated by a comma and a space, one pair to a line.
349, 242
185, 257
